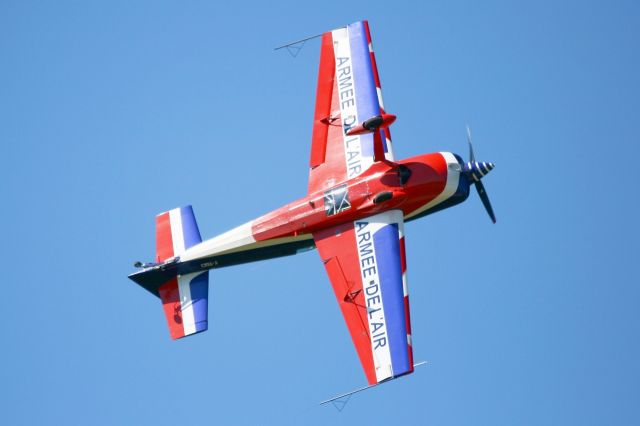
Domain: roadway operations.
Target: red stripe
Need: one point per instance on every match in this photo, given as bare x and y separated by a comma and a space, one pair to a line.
373, 57
337, 248
324, 94
407, 314
403, 258
170, 296
366, 28
164, 243
407, 317
376, 77
378, 147
387, 133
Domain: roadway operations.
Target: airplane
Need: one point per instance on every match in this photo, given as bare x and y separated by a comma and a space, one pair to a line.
359, 198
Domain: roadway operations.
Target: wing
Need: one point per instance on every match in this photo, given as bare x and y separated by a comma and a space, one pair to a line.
348, 93
366, 265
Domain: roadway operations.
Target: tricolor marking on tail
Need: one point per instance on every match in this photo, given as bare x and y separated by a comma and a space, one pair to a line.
184, 297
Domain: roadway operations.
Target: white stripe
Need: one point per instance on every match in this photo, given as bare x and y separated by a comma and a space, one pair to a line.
479, 170
405, 284
186, 304
389, 155
400, 228
453, 176
177, 236
381, 355
379, 91
355, 161
207, 248
184, 288
237, 238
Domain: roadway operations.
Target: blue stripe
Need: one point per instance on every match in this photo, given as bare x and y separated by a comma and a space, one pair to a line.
199, 287
366, 144
365, 86
387, 247
189, 227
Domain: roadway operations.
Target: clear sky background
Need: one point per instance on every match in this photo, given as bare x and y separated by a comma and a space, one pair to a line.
111, 112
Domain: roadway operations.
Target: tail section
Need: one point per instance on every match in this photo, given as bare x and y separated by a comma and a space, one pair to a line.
184, 297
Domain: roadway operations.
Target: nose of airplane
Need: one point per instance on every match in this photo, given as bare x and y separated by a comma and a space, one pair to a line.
476, 170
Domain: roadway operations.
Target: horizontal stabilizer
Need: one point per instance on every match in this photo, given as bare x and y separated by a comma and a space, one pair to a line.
184, 297
184, 300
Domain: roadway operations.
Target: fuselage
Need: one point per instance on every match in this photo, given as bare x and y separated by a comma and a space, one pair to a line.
418, 186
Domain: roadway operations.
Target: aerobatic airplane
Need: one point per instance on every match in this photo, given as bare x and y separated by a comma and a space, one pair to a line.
358, 200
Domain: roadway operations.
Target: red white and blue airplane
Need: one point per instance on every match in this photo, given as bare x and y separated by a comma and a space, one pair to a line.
359, 198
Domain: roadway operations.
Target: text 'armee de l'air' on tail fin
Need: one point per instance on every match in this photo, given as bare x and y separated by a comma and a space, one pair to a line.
184, 297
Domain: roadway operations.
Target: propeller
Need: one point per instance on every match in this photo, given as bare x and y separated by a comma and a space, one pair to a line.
475, 171
472, 157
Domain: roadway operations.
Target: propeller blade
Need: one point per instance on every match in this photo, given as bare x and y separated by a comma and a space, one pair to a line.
485, 200
472, 157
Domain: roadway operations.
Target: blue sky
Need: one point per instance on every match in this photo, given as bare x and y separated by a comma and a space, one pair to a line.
111, 112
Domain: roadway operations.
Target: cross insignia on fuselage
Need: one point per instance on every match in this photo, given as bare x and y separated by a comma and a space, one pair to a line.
336, 200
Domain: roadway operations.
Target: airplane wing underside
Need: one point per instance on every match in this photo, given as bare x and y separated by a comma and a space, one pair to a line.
348, 93
365, 262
